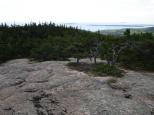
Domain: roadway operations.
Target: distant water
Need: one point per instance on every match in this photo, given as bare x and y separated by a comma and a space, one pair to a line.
96, 27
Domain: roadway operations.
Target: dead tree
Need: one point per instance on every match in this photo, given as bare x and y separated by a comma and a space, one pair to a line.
94, 51
116, 50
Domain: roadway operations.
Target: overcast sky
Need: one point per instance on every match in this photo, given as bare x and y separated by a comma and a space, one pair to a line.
98, 11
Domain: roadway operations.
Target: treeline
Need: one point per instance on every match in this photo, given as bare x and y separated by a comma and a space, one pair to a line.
44, 41
47, 41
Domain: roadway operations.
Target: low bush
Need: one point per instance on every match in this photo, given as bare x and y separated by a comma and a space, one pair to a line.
97, 69
104, 69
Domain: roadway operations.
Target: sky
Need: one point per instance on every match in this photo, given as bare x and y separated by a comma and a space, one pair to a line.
83, 11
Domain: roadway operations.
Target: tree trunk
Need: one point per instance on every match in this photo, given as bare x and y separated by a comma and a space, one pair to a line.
77, 59
109, 62
90, 59
95, 60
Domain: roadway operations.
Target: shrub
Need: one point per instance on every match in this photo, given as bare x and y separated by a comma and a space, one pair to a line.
103, 69
97, 69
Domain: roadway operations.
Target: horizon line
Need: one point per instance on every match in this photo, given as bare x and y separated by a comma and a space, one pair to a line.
91, 23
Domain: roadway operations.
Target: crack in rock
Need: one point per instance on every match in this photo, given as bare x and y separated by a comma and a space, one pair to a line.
47, 104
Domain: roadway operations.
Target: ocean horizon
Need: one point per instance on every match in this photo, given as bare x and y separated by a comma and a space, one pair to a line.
92, 26
97, 27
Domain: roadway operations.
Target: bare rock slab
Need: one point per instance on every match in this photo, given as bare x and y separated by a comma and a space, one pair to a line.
50, 88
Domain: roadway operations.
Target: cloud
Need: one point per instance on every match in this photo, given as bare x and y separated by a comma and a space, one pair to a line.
131, 11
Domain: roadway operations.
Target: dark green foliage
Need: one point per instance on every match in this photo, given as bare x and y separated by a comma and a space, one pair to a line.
101, 69
140, 56
137, 53
127, 33
112, 49
5, 52
52, 48
77, 50
97, 69
51, 42
41, 41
